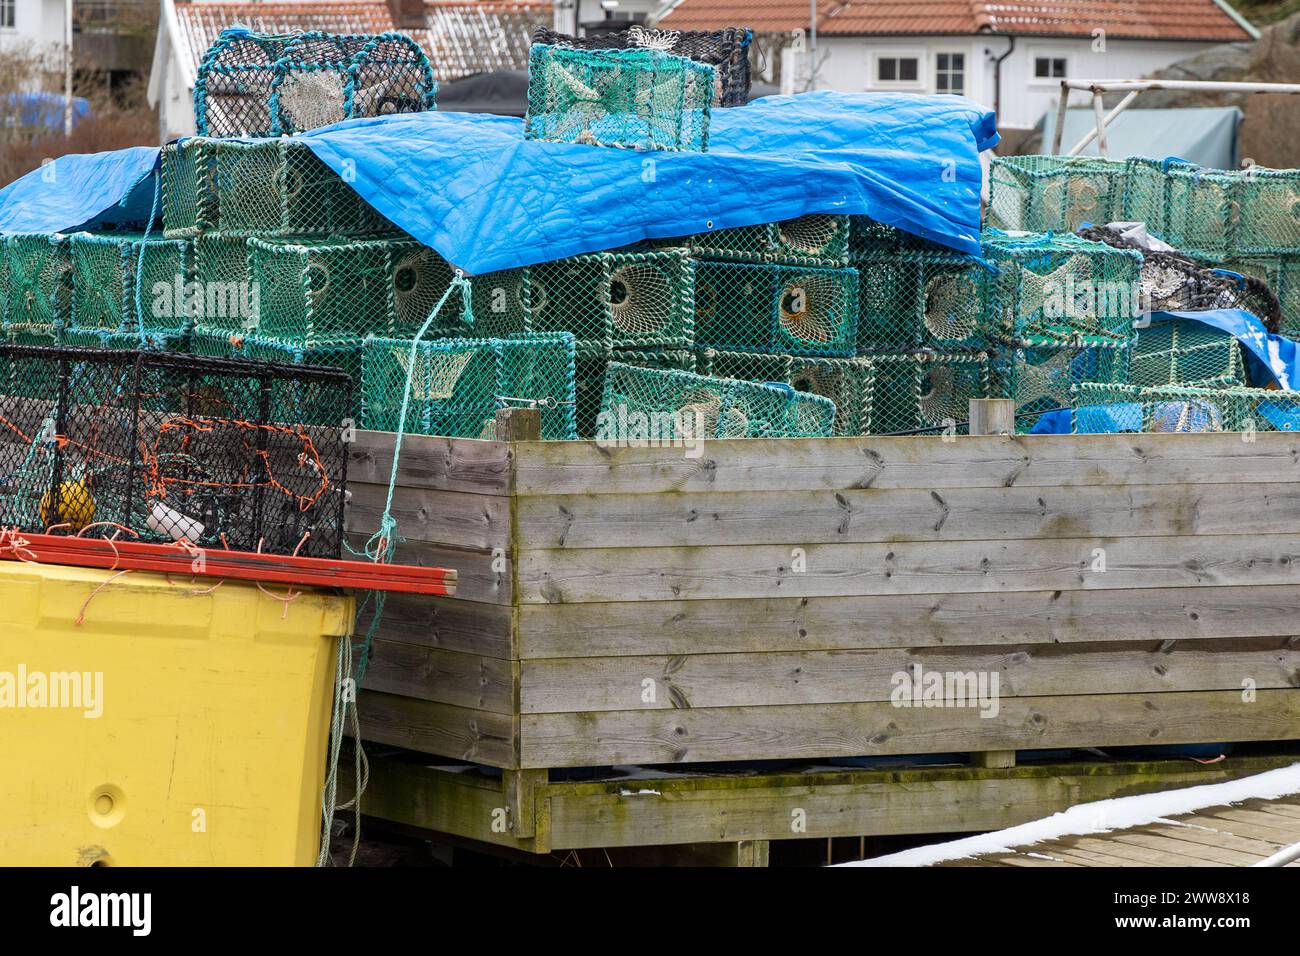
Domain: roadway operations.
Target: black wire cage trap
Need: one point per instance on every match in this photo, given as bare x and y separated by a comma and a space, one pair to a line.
166, 447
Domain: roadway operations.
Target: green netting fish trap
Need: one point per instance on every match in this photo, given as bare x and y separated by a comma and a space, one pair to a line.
1186, 353
1281, 273
153, 341
616, 299
653, 405
923, 391
257, 84
126, 281
589, 376
39, 277
171, 446
1040, 379
1060, 289
631, 98
1213, 213
227, 300
919, 299
500, 305
776, 309
727, 51
324, 291
846, 382
1119, 408
266, 188
457, 385
816, 240
1054, 193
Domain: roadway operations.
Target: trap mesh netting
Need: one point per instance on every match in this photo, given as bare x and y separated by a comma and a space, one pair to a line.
589, 377
1186, 353
632, 98
38, 273
646, 404
457, 385
816, 240
727, 51
924, 392
1269, 290
273, 188
615, 300
127, 281
1054, 193
255, 84
919, 299
1132, 408
846, 382
1060, 289
1216, 214
773, 308
173, 446
1040, 379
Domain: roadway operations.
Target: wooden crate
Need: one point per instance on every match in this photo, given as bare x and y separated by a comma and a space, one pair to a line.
638, 606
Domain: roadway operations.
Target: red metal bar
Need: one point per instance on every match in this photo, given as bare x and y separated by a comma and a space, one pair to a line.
236, 565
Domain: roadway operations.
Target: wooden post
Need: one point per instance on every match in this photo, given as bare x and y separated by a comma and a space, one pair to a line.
992, 416
522, 788
519, 424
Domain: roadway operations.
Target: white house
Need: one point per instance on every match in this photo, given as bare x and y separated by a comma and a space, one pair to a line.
34, 24
461, 37
1009, 55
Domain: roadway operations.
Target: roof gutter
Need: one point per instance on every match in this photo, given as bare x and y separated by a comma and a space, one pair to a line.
997, 76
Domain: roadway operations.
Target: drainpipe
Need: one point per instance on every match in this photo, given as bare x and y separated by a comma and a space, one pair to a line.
997, 78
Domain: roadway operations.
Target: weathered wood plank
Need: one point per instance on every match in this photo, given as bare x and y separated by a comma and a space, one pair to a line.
447, 677
837, 464
460, 519
482, 575
444, 464
1159, 839
938, 567
475, 735
905, 620
452, 624
903, 514
818, 731
819, 677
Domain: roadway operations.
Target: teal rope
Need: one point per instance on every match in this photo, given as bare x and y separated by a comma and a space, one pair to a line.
139, 260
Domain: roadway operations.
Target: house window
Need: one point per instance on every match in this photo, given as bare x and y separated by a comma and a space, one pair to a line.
7, 14
1049, 67
950, 72
897, 69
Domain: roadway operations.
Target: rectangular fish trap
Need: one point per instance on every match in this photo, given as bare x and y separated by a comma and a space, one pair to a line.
172, 446
1181, 409
259, 84
778, 309
264, 188
845, 381
923, 391
726, 50
457, 385
1040, 379
1054, 193
113, 273
643, 404
1185, 352
632, 98
589, 378
818, 240
1059, 289
614, 300
1282, 275
920, 300
39, 299
319, 292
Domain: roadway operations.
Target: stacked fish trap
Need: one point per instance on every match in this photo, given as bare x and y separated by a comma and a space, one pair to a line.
1185, 352
629, 98
727, 51
847, 382
254, 84
173, 447
1181, 409
38, 285
457, 385
1054, 193
125, 281
660, 405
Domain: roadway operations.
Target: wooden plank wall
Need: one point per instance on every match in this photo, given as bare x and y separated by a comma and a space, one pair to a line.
756, 602
639, 606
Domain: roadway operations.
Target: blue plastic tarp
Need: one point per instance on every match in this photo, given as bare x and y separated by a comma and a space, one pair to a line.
73, 190
41, 108
1271, 359
474, 189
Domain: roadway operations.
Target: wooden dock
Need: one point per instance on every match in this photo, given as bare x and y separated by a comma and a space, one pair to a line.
637, 606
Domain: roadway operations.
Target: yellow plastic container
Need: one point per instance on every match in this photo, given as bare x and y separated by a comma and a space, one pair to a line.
175, 727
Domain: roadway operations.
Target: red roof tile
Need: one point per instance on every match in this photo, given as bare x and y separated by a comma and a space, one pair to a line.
1153, 19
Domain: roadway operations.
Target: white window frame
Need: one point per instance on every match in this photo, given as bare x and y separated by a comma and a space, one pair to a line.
922, 68
13, 12
965, 71
1044, 53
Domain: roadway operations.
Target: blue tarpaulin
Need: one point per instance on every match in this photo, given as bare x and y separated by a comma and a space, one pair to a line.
1271, 359
474, 189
